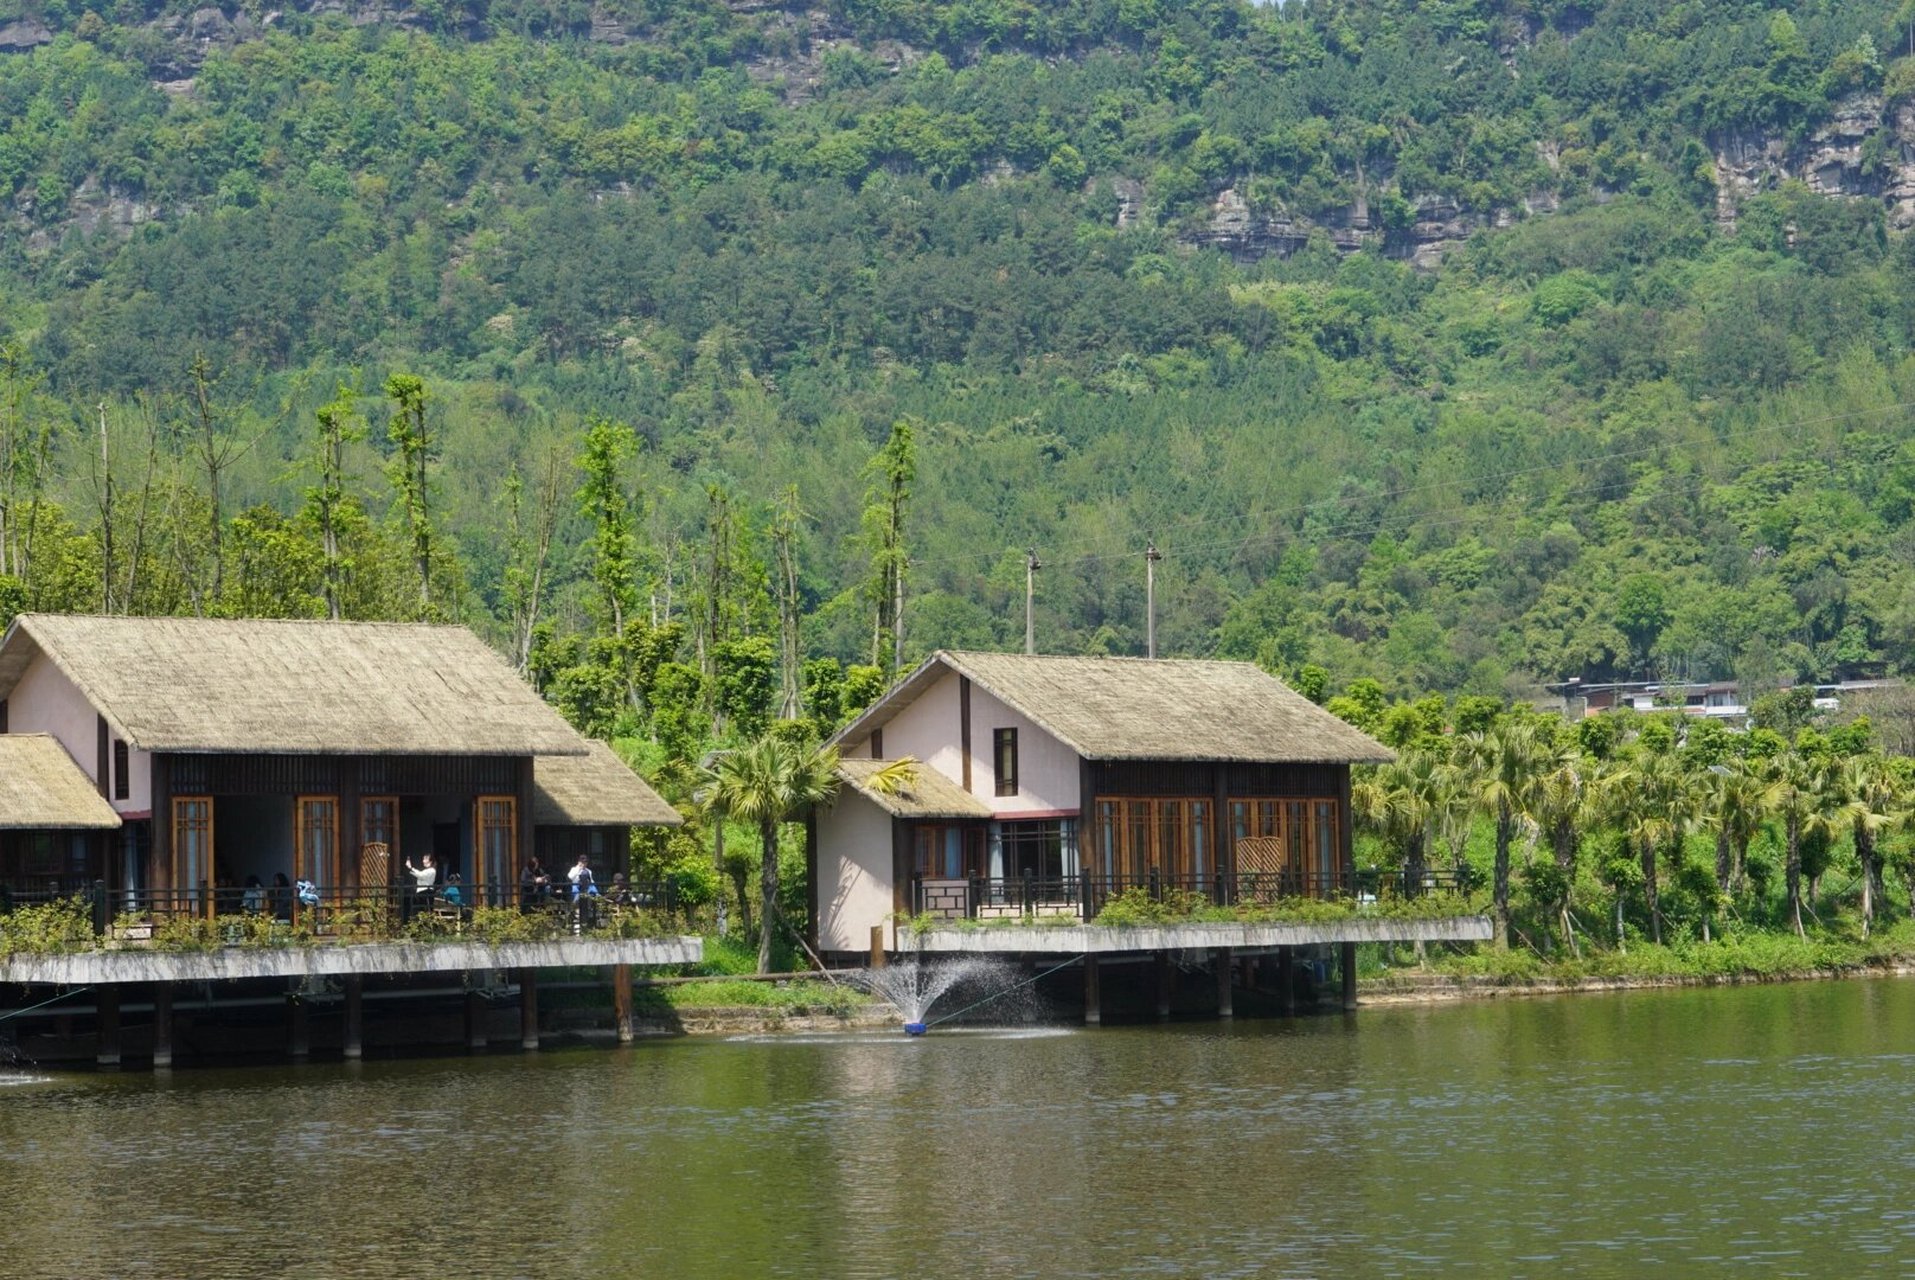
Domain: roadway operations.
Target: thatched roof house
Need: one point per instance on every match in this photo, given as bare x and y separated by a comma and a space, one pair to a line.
41, 788
1081, 775
597, 789
291, 687
1145, 708
336, 752
929, 794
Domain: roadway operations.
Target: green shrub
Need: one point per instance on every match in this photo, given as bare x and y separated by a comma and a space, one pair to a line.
52, 928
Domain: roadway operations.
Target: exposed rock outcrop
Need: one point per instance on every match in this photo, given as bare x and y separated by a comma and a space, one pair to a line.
27, 33
1833, 160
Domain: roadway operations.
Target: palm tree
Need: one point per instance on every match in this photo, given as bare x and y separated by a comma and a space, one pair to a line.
1505, 764
1401, 802
1867, 795
1802, 804
1652, 801
1560, 805
775, 780
1614, 801
1740, 798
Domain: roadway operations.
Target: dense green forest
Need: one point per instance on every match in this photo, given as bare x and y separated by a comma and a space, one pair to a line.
1513, 366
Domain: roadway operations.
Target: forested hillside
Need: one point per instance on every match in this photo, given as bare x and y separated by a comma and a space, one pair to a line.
1464, 345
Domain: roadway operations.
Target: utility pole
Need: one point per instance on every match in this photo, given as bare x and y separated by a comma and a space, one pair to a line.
106, 519
1031, 565
1151, 556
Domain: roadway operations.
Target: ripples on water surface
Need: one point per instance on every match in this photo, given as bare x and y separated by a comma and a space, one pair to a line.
1760, 1131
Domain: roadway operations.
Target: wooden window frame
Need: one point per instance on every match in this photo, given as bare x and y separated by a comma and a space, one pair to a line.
1001, 740
212, 835
927, 849
1296, 823
390, 840
514, 854
327, 877
122, 764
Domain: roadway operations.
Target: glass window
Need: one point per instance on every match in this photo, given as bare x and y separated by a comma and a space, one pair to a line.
1034, 849
949, 852
316, 857
498, 840
1200, 840
1005, 750
192, 844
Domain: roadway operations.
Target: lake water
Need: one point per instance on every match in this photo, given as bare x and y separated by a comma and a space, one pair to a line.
1760, 1131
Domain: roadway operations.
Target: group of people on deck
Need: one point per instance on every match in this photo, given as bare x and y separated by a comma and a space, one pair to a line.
536, 890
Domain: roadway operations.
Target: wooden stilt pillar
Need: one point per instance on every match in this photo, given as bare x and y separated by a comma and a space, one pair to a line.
1286, 980
622, 1001
1225, 1007
1093, 998
1346, 970
162, 1025
474, 1019
1163, 984
528, 1008
352, 1037
298, 1026
106, 1000
877, 960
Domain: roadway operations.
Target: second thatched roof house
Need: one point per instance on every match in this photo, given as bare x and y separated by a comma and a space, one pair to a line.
334, 752
1070, 778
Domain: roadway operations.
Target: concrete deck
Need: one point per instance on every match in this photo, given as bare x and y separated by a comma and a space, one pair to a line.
139, 965
1104, 939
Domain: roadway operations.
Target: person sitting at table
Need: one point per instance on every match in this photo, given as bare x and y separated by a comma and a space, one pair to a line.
535, 885
454, 891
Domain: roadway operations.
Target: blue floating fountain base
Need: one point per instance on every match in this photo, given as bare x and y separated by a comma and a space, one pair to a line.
914, 1028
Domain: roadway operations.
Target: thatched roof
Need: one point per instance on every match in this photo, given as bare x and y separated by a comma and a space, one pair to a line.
42, 789
929, 795
597, 789
1147, 708
288, 687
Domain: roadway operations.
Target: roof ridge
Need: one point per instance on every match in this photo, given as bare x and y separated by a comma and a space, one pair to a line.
191, 620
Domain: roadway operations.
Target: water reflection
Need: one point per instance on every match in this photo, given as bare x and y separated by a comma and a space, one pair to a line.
1688, 1132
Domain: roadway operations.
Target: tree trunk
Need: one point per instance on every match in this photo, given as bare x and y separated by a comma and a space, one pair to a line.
1865, 851
1649, 890
1499, 890
1415, 867
1793, 876
767, 891
1724, 861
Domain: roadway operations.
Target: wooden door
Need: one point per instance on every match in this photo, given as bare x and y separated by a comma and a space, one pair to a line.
495, 832
316, 840
191, 872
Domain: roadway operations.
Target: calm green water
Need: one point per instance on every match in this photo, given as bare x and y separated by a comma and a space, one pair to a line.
1762, 1131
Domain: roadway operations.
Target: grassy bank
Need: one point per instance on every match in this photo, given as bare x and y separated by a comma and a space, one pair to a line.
1760, 956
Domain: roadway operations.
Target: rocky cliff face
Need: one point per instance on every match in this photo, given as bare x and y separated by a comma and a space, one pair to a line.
1864, 150
1247, 234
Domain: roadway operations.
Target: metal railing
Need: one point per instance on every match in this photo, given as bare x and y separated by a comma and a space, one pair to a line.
1083, 896
243, 914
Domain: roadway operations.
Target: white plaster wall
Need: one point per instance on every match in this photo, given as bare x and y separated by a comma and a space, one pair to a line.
1047, 778
928, 730
931, 729
45, 701
854, 872
139, 769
